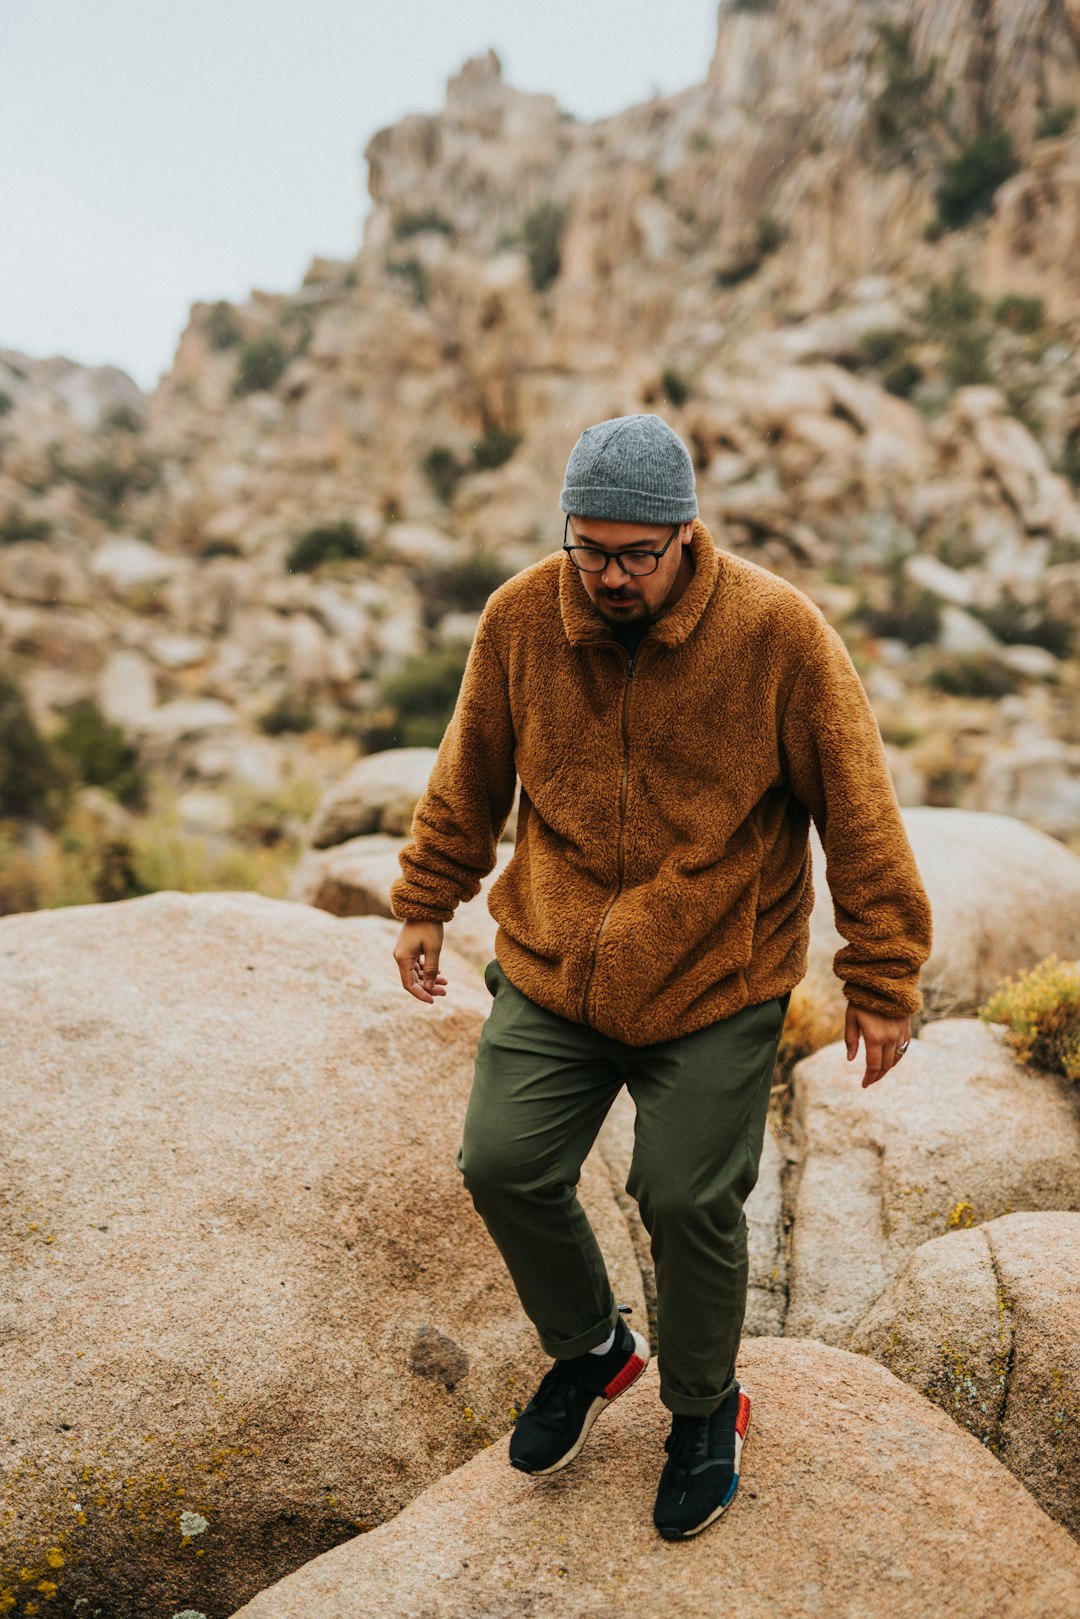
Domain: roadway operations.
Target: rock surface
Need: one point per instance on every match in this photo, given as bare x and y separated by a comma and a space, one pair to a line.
953, 1533
249, 1308
958, 1132
1003, 895
986, 1323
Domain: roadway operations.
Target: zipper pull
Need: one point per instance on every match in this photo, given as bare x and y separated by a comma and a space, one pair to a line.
630, 670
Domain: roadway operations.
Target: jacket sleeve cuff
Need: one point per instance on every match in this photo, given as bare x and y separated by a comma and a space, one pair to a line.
899, 1004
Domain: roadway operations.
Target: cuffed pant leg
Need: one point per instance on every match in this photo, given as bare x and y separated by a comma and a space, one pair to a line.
542, 1087
702, 1104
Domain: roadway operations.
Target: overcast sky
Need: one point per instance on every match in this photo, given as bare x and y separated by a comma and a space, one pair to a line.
156, 152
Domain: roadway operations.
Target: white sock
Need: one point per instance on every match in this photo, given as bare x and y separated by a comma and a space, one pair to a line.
602, 1349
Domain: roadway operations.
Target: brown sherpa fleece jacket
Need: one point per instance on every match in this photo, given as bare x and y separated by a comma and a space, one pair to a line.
661, 875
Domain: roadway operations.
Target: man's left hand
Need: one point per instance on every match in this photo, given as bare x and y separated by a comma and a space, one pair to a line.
882, 1036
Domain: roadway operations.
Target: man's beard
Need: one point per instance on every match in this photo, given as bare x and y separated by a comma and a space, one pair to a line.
622, 615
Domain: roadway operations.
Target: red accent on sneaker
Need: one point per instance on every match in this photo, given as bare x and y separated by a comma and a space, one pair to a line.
622, 1380
742, 1419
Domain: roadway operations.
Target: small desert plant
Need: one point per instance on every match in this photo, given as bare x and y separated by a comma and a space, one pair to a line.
34, 781
462, 586
443, 471
767, 235
542, 233
332, 542
287, 714
1040, 1011
259, 366
676, 388
417, 701
413, 223
1054, 121
222, 327
496, 447
900, 111
99, 753
970, 179
15, 527
974, 674
411, 271
6, 402
1018, 313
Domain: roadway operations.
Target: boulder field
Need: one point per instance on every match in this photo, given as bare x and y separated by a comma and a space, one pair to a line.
958, 1133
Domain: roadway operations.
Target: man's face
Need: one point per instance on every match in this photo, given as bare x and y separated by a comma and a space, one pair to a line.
622, 598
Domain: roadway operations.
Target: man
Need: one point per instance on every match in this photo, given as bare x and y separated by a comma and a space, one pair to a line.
675, 715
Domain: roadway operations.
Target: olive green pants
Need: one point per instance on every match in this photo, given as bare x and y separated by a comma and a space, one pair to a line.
541, 1090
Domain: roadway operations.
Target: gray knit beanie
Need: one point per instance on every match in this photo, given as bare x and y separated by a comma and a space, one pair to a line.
631, 469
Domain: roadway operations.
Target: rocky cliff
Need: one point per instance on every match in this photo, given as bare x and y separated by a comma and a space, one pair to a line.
840, 267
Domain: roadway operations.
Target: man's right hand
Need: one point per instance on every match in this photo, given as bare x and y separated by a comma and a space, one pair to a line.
417, 954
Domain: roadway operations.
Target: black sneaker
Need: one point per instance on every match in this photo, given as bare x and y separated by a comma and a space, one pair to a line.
701, 1473
555, 1424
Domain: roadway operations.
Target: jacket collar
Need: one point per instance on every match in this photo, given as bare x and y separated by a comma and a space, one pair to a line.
583, 623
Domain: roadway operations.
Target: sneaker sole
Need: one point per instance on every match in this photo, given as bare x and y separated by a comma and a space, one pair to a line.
618, 1385
742, 1423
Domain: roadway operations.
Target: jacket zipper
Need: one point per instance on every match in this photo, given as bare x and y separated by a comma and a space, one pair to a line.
622, 830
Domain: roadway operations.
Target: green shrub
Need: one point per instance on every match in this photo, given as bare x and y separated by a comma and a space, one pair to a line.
99, 753
1054, 121
1070, 457
1013, 623
542, 234
881, 344
970, 179
768, 234
911, 614
6, 402
411, 224
753, 5
107, 481
259, 365
949, 303
411, 271
966, 357
15, 527
1020, 314
287, 714
443, 471
900, 110
121, 419
417, 702
495, 448
675, 388
903, 378
974, 674
331, 542
462, 586
34, 782
222, 327
1040, 1011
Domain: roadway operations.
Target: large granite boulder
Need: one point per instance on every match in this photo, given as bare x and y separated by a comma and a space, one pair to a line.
248, 1307
858, 1499
378, 794
986, 1323
1003, 894
958, 1132
354, 879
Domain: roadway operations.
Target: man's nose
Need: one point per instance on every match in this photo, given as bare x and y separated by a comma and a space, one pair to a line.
613, 562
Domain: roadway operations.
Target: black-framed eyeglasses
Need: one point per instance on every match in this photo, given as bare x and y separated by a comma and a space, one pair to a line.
590, 559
